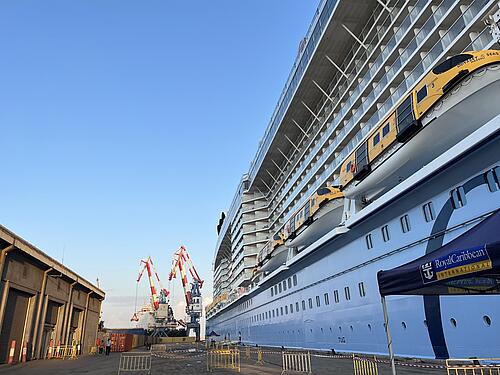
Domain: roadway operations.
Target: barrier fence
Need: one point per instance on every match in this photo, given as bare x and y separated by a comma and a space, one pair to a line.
296, 362
365, 366
135, 362
62, 352
473, 366
223, 359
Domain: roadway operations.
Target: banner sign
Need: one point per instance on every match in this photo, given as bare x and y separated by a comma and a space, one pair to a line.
456, 263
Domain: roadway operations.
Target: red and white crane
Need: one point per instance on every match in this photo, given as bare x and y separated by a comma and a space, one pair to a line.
192, 293
155, 299
180, 260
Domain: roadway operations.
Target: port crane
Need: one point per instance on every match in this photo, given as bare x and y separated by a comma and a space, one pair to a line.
192, 290
162, 313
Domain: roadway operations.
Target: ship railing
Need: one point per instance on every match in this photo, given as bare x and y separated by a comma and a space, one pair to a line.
473, 366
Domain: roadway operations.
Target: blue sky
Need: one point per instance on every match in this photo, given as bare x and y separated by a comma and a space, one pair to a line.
126, 125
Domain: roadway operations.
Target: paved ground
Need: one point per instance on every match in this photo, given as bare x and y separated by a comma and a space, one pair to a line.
184, 360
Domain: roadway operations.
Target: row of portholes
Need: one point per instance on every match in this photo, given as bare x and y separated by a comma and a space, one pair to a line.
453, 322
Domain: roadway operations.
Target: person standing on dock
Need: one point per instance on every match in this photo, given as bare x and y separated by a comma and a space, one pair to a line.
108, 346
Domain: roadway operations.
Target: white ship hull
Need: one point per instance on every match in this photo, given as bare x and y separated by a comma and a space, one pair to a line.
352, 320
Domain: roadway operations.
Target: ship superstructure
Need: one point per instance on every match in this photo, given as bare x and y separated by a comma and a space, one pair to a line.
357, 64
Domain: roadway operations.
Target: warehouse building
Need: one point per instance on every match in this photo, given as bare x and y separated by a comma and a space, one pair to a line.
42, 302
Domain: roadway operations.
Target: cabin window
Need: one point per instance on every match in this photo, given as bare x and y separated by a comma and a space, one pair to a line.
272, 292
405, 223
385, 130
303, 305
336, 296
369, 242
297, 306
492, 179
277, 312
458, 198
451, 63
348, 167
385, 233
421, 94
281, 310
273, 313
428, 209
347, 293
376, 139
266, 314
291, 308
327, 299
279, 287
294, 280
361, 287
310, 303
318, 301
286, 309
284, 285
289, 283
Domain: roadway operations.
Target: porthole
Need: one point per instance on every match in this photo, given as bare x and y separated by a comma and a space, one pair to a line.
453, 322
403, 324
487, 320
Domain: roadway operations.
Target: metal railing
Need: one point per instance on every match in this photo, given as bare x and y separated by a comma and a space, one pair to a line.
296, 362
473, 366
364, 366
62, 352
135, 362
223, 359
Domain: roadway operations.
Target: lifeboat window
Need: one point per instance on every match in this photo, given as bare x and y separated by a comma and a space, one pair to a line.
421, 94
347, 293
369, 242
336, 296
405, 113
428, 211
323, 191
385, 233
385, 130
294, 280
310, 303
376, 139
327, 299
451, 63
348, 167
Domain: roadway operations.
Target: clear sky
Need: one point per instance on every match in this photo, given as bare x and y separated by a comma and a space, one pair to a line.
127, 125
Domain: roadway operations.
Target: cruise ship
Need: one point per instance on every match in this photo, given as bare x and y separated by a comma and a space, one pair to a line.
383, 147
